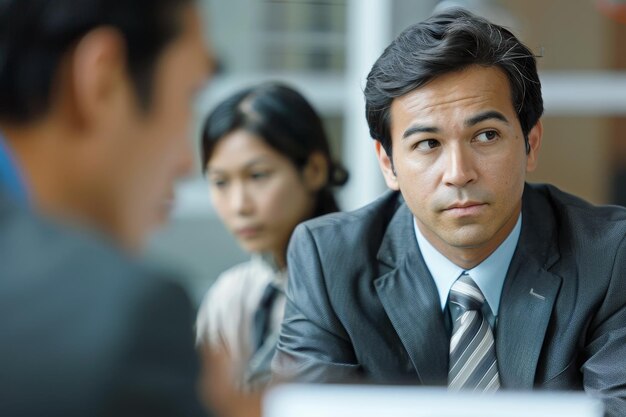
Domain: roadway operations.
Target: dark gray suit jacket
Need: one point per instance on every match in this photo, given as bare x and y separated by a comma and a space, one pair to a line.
361, 303
85, 331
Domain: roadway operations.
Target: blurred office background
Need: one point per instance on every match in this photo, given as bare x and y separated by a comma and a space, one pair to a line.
326, 47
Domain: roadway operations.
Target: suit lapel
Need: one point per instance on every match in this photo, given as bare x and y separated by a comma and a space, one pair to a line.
528, 296
525, 309
410, 299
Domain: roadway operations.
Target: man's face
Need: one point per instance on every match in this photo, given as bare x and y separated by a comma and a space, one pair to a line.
143, 152
460, 161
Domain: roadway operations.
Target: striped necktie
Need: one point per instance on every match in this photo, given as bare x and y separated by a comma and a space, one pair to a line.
473, 363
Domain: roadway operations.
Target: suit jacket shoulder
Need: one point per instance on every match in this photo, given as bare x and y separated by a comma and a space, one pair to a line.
577, 230
353, 235
372, 217
335, 326
86, 329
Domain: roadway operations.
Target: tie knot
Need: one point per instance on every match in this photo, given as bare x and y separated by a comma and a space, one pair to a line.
466, 294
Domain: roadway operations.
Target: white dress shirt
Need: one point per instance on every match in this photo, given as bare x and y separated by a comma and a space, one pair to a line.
226, 316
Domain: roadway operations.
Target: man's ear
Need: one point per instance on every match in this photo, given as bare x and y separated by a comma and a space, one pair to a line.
315, 172
534, 145
99, 75
386, 166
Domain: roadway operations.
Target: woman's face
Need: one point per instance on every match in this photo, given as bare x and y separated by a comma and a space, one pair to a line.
258, 193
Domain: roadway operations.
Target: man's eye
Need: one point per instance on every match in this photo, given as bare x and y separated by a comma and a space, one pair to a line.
487, 136
428, 144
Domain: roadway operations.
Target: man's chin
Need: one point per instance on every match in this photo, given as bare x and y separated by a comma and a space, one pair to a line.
468, 237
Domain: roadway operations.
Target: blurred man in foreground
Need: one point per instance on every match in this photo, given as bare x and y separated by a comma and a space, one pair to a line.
95, 109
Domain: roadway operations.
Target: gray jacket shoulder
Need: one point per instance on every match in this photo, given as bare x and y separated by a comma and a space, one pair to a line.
364, 226
580, 222
91, 319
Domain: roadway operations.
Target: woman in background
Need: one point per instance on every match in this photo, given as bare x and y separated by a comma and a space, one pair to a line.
268, 162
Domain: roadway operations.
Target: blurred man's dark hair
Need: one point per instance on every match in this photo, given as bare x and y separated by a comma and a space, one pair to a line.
95, 113
447, 42
35, 34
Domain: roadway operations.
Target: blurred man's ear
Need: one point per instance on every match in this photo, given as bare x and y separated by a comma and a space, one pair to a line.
386, 166
534, 144
99, 77
315, 172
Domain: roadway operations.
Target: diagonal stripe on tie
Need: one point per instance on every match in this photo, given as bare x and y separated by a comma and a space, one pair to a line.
489, 374
473, 363
468, 364
462, 333
468, 344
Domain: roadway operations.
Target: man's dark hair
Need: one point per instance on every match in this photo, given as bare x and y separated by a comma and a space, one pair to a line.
35, 34
447, 42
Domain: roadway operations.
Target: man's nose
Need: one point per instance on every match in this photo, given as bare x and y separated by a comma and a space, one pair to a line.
460, 167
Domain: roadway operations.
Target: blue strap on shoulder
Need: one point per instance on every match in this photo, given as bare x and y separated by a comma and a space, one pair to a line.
10, 178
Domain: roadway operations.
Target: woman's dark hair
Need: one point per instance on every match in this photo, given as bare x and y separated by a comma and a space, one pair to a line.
284, 119
35, 34
447, 42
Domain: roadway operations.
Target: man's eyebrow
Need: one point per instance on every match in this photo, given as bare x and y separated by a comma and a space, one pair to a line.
419, 129
474, 120
481, 117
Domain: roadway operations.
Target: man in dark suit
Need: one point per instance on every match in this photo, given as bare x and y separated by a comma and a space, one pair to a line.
464, 275
95, 109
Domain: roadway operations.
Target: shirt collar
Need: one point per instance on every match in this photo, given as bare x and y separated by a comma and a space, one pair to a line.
267, 262
10, 176
489, 275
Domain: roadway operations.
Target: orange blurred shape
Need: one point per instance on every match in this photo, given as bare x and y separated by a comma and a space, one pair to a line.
614, 9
